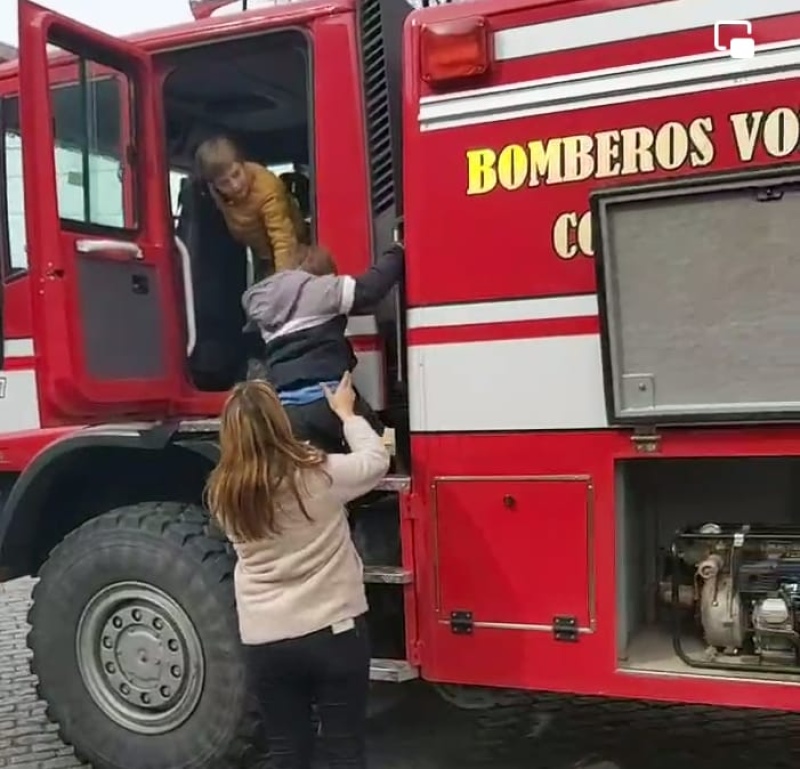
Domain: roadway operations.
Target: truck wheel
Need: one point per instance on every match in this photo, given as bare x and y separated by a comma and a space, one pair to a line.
135, 643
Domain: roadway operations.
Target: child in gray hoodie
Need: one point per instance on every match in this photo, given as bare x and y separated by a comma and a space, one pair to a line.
301, 315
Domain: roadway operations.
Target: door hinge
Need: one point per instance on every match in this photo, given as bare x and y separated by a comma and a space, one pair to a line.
646, 440
461, 622
565, 628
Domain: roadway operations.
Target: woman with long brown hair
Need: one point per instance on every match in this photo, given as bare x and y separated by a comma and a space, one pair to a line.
299, 581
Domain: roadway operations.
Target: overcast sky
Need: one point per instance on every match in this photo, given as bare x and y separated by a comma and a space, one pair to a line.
118, 17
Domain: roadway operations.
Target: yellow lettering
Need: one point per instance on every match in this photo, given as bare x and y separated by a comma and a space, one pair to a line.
700, 132
546, 162
564, 235
617, 152
572, 235
578, 159
637, 151
512, 167
746, 127
608, 147
585, 244
481, 173
781, 133
671, 146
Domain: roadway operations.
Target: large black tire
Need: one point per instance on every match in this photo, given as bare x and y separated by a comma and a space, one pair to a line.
138, 584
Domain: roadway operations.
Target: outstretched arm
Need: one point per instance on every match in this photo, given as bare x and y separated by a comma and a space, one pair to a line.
354, 475
277, 219
378, 280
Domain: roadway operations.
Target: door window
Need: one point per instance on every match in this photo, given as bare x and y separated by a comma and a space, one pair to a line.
93, 156
94, 184
15, 257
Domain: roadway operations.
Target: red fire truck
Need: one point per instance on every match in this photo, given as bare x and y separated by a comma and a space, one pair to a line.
592, 370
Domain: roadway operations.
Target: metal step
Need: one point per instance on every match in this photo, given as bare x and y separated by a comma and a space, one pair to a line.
387, 575
394, 483
393, 671
199, 425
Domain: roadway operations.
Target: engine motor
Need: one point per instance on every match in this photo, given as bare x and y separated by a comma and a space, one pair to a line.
746, 595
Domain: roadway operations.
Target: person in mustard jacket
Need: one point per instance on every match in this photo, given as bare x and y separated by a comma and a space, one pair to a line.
258, 209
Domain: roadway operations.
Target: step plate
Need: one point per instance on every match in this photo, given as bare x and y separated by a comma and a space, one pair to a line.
394, 483
387, 575
392, 671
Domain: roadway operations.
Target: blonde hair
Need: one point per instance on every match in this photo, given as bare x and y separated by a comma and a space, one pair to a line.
261, 464
315, 260
215, 156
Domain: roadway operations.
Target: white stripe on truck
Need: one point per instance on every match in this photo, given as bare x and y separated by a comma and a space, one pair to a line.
668, 77
631, 24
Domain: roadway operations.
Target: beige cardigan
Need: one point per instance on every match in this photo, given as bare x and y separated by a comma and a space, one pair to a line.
309, 576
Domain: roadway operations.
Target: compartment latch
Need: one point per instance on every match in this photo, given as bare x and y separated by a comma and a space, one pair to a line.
646, 440
461, 622
565, 629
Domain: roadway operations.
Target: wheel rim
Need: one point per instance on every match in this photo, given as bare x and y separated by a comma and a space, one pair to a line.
140, 657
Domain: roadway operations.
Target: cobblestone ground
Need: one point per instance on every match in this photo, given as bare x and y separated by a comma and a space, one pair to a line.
423, 733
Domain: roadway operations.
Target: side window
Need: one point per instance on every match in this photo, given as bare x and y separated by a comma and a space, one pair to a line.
94, 174
15, 258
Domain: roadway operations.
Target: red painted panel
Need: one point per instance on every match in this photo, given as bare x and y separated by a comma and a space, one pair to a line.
341, 171
533, 660
535, 240
513, 562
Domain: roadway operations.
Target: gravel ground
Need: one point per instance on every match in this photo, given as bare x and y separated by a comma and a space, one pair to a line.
423, 733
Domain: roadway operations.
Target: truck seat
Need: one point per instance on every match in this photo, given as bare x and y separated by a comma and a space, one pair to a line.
219, 278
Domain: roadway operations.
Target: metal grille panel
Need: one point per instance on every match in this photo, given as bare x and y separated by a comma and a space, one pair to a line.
701, 291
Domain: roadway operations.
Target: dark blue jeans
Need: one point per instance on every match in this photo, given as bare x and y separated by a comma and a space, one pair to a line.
326, 670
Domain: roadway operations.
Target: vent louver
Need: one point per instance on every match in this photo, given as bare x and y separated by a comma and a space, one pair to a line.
376, 91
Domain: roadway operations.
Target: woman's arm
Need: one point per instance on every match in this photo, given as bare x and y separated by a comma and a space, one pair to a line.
353, 475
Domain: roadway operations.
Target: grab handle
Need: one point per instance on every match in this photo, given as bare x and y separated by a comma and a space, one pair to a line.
92, 246
188, 296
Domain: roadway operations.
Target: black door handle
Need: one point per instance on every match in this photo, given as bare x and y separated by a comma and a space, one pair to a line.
140, 284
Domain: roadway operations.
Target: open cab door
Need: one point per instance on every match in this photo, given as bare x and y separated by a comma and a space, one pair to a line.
106, 313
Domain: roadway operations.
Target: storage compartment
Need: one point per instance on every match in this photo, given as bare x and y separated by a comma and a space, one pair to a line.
698, 286
514, 551
723, 597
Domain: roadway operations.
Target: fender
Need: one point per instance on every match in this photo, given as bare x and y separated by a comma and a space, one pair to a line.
31, 487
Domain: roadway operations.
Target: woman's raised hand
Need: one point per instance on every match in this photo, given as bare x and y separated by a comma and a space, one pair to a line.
343, 399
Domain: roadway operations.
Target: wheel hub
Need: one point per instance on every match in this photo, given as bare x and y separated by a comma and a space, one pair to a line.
140, 657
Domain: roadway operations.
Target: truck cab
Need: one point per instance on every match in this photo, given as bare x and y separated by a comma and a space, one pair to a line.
136, 310
122, 333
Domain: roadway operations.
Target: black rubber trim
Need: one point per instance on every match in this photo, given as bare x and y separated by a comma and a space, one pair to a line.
156, 438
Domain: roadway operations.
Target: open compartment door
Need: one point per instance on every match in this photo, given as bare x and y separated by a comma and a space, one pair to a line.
698, 282
108, 323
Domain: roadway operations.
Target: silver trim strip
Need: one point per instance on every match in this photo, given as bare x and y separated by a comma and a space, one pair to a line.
631, 23
520, 626
669, 77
